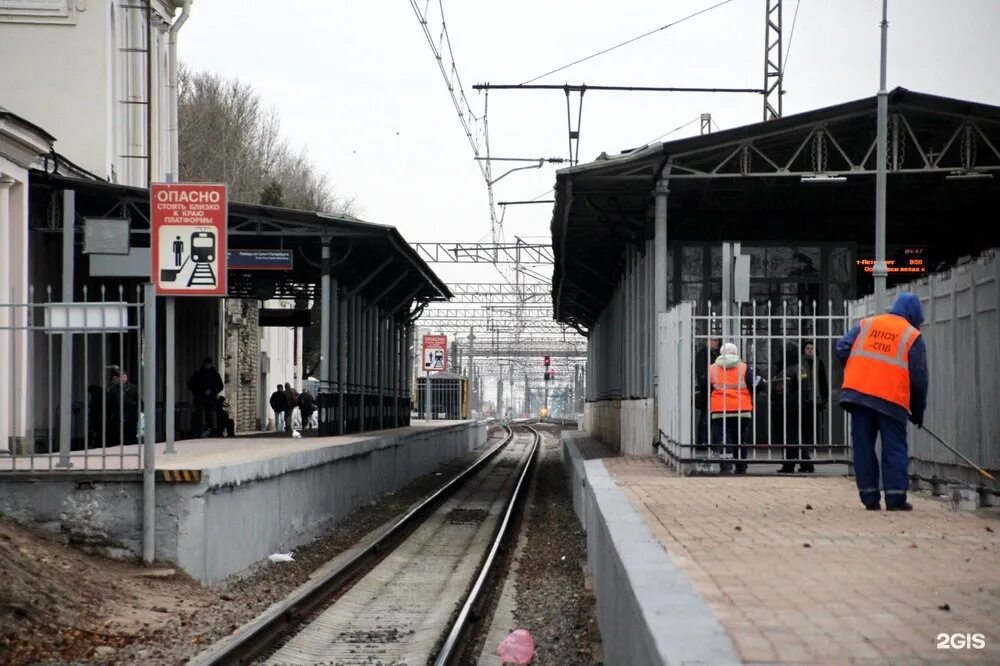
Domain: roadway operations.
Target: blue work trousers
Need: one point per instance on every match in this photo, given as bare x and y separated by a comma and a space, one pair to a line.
866, 425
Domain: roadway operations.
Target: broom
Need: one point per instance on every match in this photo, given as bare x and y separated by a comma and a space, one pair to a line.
959, 454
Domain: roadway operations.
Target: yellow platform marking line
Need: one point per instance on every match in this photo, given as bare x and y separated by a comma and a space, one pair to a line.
179, 475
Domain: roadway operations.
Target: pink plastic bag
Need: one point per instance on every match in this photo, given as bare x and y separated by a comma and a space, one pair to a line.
518, 648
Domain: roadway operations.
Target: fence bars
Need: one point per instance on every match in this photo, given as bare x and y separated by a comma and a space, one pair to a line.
103, 413
793, 390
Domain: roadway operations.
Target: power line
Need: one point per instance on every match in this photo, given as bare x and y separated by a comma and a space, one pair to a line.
629, 41
791, 36
676, 129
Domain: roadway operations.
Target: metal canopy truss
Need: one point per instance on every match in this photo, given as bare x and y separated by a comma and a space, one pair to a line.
835, 147
496, 292
485, 253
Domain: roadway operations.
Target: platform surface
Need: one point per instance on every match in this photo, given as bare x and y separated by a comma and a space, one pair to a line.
798, 572
211, 453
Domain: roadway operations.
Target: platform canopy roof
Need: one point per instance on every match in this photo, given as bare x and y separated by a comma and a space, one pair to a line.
372, 259
943, 154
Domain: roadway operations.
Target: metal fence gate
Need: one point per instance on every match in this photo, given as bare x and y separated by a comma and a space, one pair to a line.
72, 376
795, 413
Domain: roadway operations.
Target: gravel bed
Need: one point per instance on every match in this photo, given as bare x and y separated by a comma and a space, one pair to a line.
551, 598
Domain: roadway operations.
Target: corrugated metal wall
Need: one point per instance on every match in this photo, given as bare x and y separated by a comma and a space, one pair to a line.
962, 334
620, 346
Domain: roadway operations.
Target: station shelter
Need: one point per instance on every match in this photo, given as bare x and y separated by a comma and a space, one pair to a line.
792, 201
350, 287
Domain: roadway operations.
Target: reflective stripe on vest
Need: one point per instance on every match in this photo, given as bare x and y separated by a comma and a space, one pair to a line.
879, 363
729, 389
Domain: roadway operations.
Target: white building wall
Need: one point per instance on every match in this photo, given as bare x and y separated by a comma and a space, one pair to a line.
77, 76
19, 146
282, 346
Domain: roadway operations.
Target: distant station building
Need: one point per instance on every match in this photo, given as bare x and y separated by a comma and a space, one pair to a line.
637, 233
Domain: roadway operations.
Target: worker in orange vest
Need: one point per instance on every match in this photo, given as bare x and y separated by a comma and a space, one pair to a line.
731, 405
885, 383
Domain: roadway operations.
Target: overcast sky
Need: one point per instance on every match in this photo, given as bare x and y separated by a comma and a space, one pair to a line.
356, 83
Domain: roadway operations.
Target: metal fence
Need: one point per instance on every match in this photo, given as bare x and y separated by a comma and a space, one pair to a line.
794, 418
449, 397
961, 331
71, 376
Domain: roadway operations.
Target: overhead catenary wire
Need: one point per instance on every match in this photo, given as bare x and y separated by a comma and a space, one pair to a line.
676, 129
791, 36
629, 41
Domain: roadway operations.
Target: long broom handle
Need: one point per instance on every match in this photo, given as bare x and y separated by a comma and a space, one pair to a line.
959, 454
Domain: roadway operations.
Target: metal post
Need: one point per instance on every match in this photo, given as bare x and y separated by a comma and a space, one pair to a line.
343, 310
880, 270
149, 427
66, 358
380, 365
727, 289
324, 316
169, 379
659, 272
427, 396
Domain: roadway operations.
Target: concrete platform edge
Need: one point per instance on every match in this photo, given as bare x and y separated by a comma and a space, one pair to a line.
647, 609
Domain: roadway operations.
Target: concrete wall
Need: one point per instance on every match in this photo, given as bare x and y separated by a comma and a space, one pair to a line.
602, 421
647, 610
627, 426
637, 427
241, 513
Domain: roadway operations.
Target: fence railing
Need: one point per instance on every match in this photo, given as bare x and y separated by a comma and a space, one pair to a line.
792, 377
71, 375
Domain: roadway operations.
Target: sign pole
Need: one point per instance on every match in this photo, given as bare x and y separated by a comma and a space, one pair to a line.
168, 408
149, 428
427, 395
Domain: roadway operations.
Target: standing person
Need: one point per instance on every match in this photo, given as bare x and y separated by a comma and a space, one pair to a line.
731, 404
206, 385
885, 383
293, 402
227, 427
131, 413
807, 393
307, 407
279, 403
702, 360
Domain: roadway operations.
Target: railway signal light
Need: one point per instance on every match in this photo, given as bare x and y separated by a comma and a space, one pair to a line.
547, 361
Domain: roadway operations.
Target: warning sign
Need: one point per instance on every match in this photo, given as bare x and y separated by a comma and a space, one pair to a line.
189, 238
435, 353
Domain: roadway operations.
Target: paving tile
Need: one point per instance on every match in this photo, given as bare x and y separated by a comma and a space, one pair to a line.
867, 589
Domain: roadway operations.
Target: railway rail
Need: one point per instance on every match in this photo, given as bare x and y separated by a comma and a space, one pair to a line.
410, 594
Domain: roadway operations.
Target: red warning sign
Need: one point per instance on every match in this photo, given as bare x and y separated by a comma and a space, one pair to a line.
189, 238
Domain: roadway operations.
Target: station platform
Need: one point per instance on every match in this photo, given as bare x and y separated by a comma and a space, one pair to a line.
224, 504
772, 569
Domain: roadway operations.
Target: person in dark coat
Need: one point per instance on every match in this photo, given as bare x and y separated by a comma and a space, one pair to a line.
123, 411
279, 404
293, 402
307, 407
807, 389
702, 360
885, 384
205, 386
227, 426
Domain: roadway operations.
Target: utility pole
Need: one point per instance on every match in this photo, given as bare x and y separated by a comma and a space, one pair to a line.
880, 270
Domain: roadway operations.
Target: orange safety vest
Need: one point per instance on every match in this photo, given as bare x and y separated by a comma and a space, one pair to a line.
729, 389
879, 364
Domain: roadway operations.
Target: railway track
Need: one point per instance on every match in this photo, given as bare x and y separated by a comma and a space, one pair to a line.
409, 595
